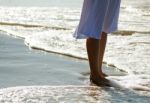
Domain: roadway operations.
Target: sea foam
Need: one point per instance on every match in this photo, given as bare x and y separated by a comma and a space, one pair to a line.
51, 29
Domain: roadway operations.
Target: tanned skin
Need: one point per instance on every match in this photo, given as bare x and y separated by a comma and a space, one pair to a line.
95, 51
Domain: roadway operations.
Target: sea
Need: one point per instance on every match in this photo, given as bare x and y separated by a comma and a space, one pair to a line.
48, 25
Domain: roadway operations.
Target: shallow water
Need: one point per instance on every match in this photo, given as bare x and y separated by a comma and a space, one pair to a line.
21, 66
51, 28
67, 82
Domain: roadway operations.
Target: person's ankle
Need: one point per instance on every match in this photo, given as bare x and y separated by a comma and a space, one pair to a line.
94, 75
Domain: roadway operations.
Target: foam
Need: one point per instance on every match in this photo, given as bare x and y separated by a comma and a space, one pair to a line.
132, 82
67, 94
129, 53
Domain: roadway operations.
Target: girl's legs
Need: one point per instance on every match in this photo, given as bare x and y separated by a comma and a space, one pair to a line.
102, 45
95, 50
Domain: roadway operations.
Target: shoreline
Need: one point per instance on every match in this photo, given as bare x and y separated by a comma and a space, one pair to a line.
21, 66
33, 59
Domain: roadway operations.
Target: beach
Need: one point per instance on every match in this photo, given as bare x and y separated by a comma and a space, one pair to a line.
40, 61
23, 66
29, 75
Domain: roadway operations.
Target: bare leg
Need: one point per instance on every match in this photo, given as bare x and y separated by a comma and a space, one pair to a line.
102, 45
95, 50
93, 55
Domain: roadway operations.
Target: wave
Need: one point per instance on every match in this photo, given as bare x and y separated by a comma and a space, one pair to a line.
119, 32
61, 42
59, 34
129, 32
55, 52
84, 94
33, 26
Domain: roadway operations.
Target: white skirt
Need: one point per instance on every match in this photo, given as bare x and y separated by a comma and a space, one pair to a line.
98, 16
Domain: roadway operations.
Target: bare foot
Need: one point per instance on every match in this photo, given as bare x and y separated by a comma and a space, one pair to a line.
100, 81
103, 75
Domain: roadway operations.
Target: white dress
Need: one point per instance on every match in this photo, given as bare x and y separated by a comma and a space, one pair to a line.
98, 16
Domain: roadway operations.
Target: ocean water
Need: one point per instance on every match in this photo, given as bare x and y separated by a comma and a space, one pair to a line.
50, 28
